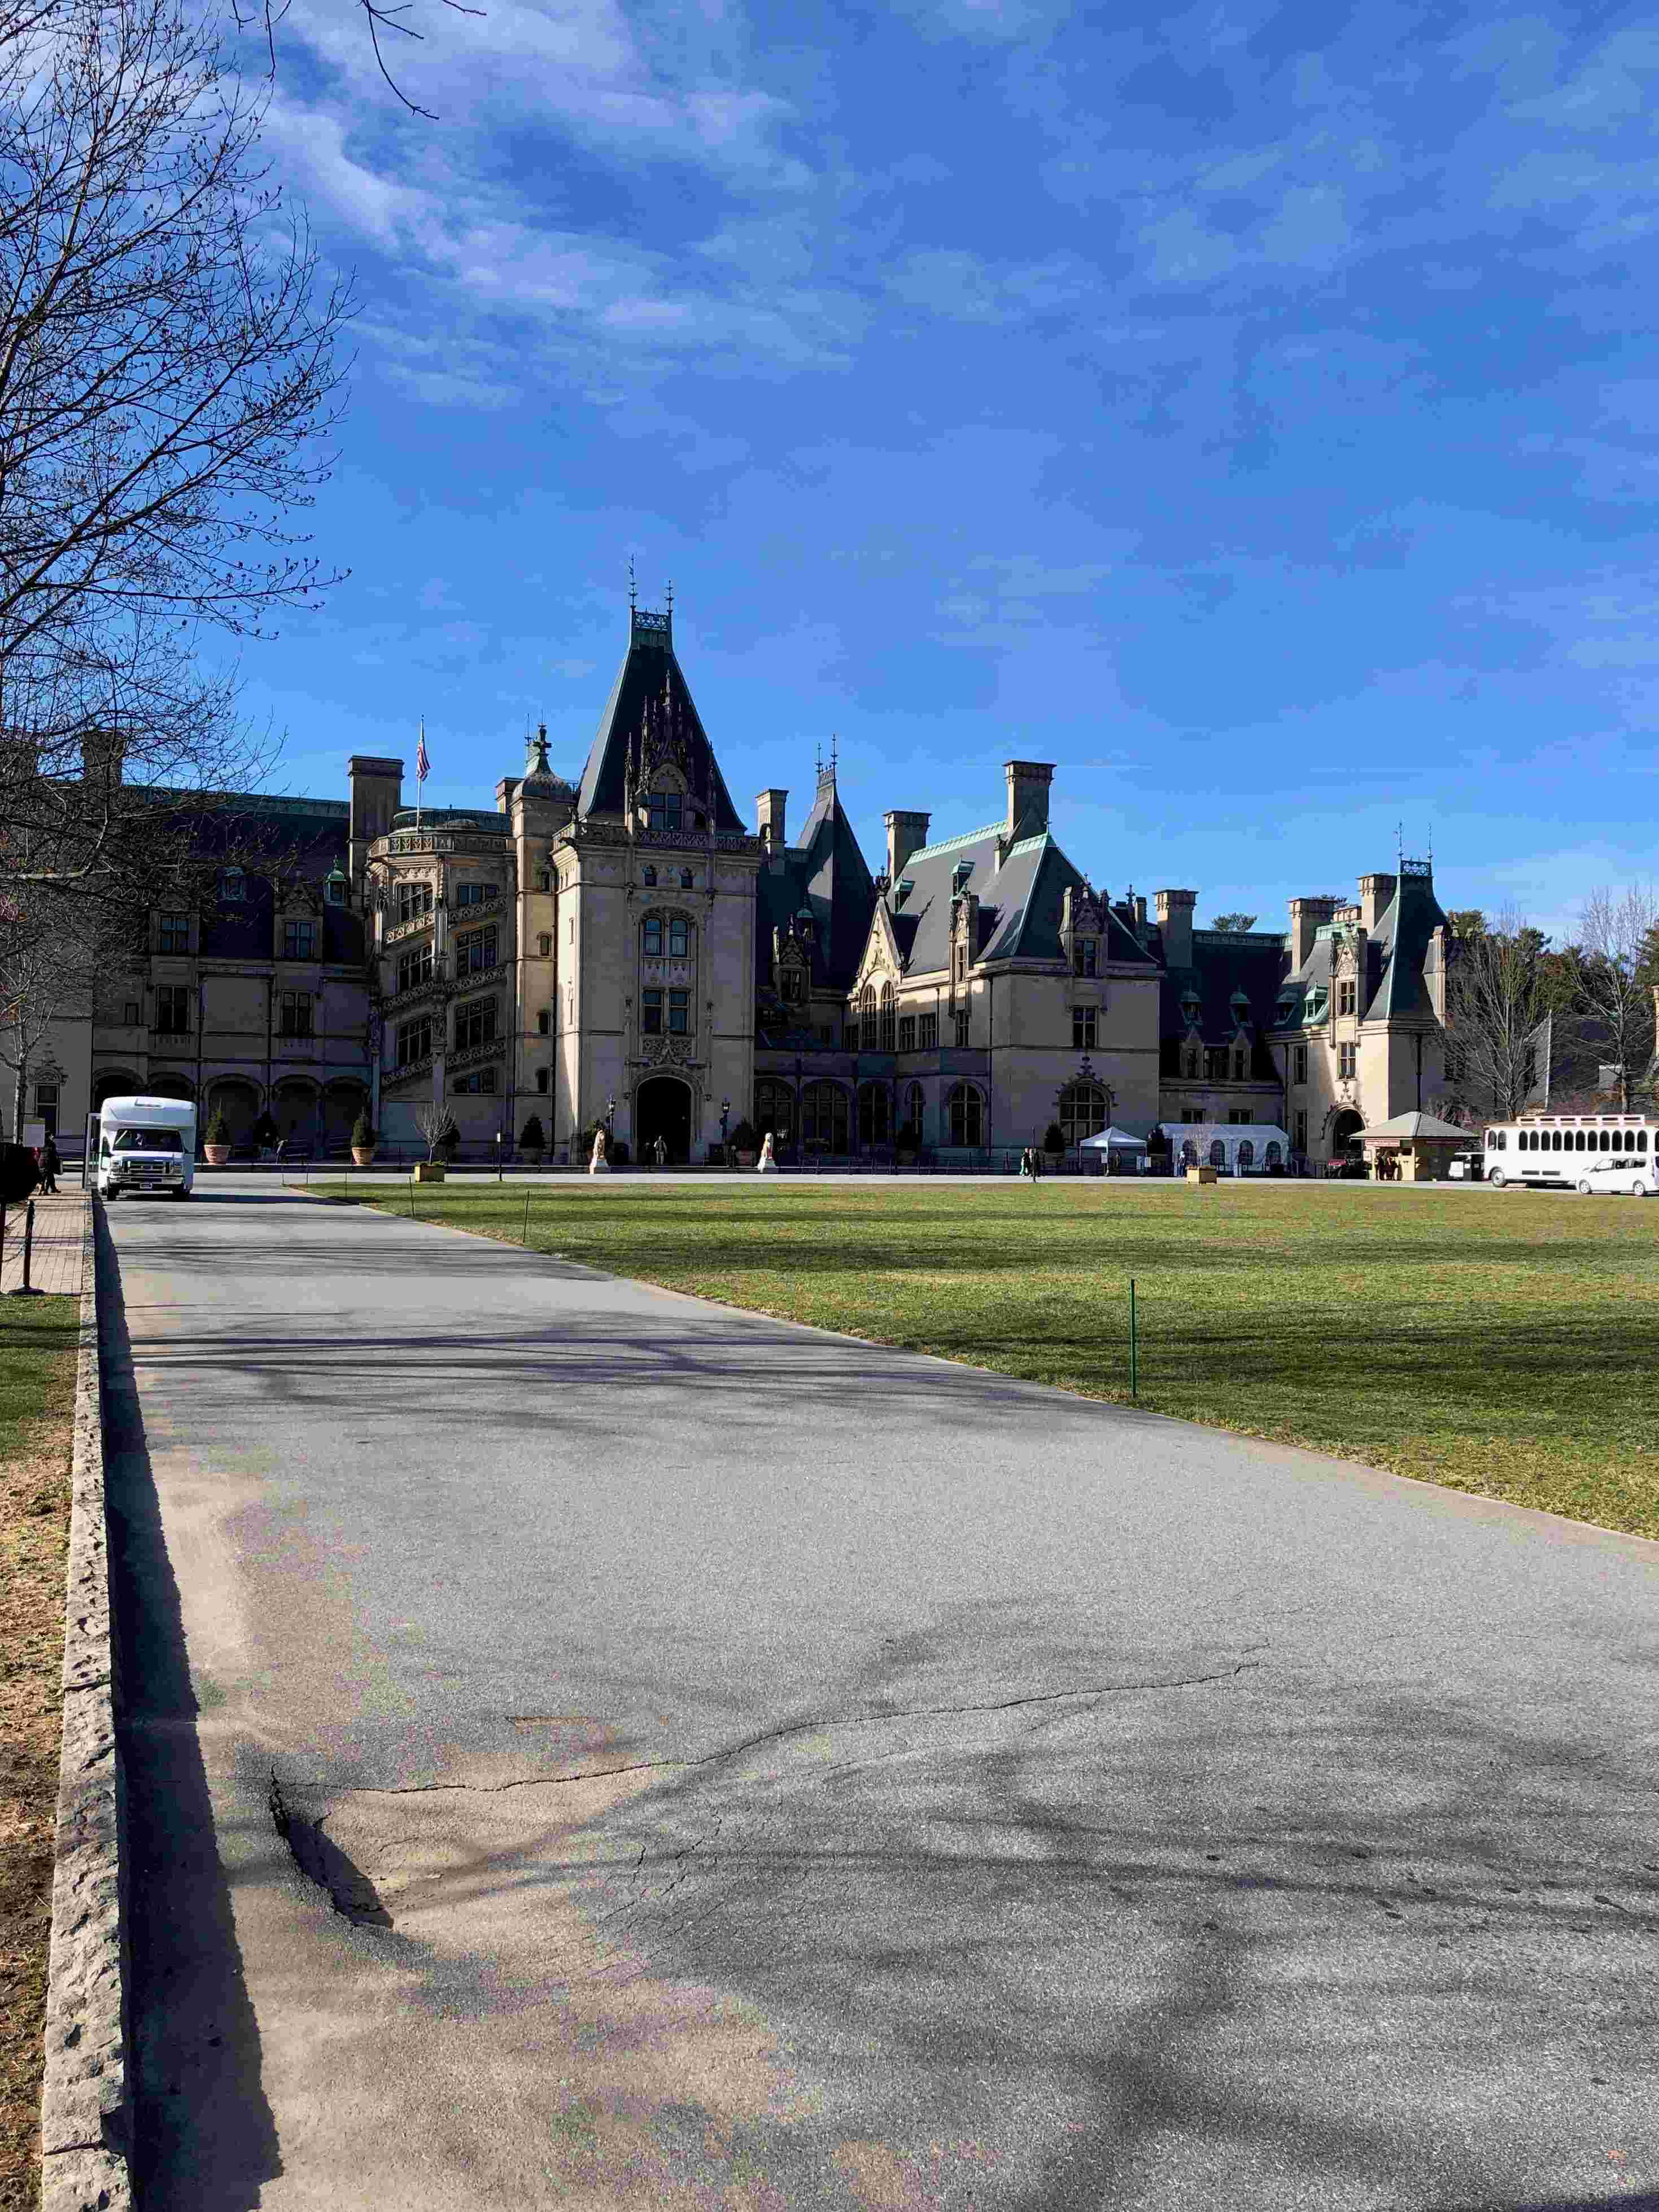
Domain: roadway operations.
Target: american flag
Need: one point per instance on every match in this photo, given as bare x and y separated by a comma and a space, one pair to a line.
422, 765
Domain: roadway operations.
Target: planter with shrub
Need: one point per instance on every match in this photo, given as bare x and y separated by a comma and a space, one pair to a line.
215, 1138
1052, 1139
364, 1139
532, 1141
743, 1144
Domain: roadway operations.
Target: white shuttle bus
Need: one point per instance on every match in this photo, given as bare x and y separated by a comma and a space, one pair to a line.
146, 1144
1587, 1151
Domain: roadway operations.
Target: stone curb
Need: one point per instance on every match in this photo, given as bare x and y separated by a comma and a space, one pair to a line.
85, 2109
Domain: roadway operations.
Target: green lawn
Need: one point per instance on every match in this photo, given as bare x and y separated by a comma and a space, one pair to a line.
1504, 1344
38, 1339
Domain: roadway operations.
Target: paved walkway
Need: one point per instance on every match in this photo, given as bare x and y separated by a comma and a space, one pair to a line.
55, 1257
587, 1745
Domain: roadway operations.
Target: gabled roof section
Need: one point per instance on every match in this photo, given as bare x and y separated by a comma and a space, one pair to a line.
1402, 944
1020, 901
827, 876
651, 716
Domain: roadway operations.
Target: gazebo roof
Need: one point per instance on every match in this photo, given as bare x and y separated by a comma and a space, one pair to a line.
1412, 1126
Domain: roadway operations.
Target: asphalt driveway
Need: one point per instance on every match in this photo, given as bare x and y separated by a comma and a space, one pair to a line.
587, 1746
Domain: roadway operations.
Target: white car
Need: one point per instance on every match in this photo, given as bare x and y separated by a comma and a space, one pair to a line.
1604, 1178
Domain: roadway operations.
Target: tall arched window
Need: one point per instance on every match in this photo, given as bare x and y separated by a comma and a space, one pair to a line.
889, 1019
1082, 1112
915, 1105
875, 1114
964, 1112
774, 1109
823, 1117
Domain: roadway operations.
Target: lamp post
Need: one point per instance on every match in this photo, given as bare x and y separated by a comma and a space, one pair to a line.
498, 1155
726, 1115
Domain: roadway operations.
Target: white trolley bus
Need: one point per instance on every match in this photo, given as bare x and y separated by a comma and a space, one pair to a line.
1594, 1151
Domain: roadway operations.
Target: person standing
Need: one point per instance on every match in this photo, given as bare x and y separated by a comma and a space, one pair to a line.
49, 1167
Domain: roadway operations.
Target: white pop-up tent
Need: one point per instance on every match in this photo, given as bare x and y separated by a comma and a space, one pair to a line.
1232, 1147
1128, 1153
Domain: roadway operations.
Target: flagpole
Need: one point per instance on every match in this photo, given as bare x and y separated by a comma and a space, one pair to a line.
420, 774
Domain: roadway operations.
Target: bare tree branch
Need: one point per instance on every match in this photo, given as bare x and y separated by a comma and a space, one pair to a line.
1612, 984
169, 383
1500, 992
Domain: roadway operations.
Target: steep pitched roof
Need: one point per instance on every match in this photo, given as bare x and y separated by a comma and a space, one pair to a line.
1020, 901
650, 715
826, 877
1401, 949
1235, 977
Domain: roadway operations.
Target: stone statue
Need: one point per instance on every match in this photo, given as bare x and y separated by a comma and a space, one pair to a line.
599, 1164
766, 1164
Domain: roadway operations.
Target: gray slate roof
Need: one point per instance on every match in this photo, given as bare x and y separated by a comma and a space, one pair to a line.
1400, 954
650, 675
826, 874
1020, 901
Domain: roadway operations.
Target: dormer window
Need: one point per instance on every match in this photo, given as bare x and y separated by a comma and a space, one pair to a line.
651, 879
687, 879
334, 891
233, 887
1085, 956
664, 809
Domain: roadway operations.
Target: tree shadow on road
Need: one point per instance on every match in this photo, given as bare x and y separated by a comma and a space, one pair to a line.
205, 2135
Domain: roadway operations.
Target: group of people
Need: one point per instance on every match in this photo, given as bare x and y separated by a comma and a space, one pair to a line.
1032, 1164
47, 1164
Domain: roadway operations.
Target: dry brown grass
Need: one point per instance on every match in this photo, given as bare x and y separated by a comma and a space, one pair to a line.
37, 1402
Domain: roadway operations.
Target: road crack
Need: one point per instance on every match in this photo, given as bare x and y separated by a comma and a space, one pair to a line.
1085, 1694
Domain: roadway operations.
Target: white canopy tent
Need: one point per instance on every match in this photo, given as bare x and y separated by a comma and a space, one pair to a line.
1114, 1140
1117, 1146
1231, 1147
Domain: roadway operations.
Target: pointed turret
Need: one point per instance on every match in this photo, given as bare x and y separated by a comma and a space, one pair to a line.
651, 741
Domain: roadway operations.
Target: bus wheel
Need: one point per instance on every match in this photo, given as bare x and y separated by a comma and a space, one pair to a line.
1587, 1190
1496, 1178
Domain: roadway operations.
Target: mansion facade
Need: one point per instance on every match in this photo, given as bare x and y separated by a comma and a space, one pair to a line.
625, 949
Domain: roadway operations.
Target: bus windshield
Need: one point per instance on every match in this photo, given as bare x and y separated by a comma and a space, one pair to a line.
147, 1140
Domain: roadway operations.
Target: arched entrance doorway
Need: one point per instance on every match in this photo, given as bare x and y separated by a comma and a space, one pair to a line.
662, 1107
1344, 1134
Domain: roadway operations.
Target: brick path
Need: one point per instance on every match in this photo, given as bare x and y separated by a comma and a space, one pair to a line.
60, 1226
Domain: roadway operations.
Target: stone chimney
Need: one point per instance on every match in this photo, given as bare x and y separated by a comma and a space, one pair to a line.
1028, 796
1306, 916
906, 833
1375, 894
1174, 918
769, 807
377, 792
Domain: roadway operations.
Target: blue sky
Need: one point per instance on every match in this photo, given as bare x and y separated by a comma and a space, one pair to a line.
1251, 410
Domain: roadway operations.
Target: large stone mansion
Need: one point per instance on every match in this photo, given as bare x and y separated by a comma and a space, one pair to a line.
626, 949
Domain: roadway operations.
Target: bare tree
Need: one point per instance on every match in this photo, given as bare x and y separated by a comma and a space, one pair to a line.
1612, 984
1501, 993
51, 954
435, 1123
168, 385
